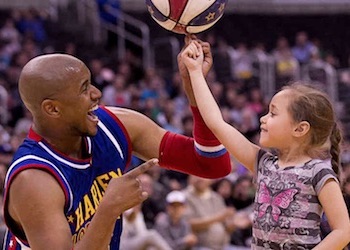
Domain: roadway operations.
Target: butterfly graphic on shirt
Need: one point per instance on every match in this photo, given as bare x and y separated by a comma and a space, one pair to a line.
276, 201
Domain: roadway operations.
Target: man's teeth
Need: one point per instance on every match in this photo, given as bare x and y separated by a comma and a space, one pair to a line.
93, 108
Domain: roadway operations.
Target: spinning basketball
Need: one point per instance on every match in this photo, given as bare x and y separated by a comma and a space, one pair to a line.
186, 16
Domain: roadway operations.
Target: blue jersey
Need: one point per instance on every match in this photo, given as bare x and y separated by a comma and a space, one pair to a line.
83, 181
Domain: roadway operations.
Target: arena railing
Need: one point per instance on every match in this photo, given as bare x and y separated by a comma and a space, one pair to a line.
87, 9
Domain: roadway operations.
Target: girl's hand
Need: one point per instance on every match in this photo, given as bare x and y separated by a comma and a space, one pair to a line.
193, 56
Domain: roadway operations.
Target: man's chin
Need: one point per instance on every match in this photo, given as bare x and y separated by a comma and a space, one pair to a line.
90, 133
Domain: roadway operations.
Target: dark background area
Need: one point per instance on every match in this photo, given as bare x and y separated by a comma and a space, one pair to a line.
331, 30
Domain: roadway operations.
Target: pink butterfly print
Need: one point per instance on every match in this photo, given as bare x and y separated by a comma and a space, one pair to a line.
276, 201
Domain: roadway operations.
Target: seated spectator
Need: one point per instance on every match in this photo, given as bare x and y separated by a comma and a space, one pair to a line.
4, 99
241, 114
108, 10
32, 25
168, 118
242, 199
209, 217
173, 226
242, 63
303, 48
10, 44
243, 192
242, 219
116, 94
108, 13
286, 65
23, 125
155, 203
256, 102
136, 236
224, 188
223, 61
101, 75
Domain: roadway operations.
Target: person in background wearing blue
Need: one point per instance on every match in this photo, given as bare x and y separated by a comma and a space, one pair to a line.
108, 12
32, 25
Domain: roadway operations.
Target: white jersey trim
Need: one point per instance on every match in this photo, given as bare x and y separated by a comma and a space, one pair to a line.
112, 138
27, 157
209, 148
59, 158
89, 145
23, 247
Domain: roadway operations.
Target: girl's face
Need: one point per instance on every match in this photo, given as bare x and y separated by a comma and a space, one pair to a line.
277, 125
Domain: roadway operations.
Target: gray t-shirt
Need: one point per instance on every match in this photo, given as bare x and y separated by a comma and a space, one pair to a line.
287, 211
215, 237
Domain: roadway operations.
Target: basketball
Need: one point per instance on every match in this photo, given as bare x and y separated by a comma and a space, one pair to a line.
186, 16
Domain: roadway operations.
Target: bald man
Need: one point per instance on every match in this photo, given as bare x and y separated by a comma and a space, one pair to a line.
67, 185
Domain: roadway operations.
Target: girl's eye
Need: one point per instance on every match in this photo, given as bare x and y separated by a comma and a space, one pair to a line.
272, 114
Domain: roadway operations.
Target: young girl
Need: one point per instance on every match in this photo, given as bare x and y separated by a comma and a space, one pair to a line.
299, 182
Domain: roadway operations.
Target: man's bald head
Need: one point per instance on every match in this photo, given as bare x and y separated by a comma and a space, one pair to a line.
45, 77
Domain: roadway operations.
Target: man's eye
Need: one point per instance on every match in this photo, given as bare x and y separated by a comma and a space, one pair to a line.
86, 87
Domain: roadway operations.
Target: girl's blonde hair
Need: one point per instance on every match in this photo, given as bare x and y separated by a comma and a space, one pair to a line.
314, 106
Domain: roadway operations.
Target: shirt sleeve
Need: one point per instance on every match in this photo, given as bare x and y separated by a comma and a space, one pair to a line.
322, 173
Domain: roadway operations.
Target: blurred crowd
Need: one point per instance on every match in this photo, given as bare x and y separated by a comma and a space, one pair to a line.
183, 212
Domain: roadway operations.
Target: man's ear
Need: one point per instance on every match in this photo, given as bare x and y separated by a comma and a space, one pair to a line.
301, 129
50, 108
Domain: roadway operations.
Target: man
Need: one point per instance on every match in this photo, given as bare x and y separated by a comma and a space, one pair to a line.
65, 187
136, 236
173, 225
210, 219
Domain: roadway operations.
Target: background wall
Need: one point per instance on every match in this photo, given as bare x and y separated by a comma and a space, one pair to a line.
269, 6
234, 6
330, 29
